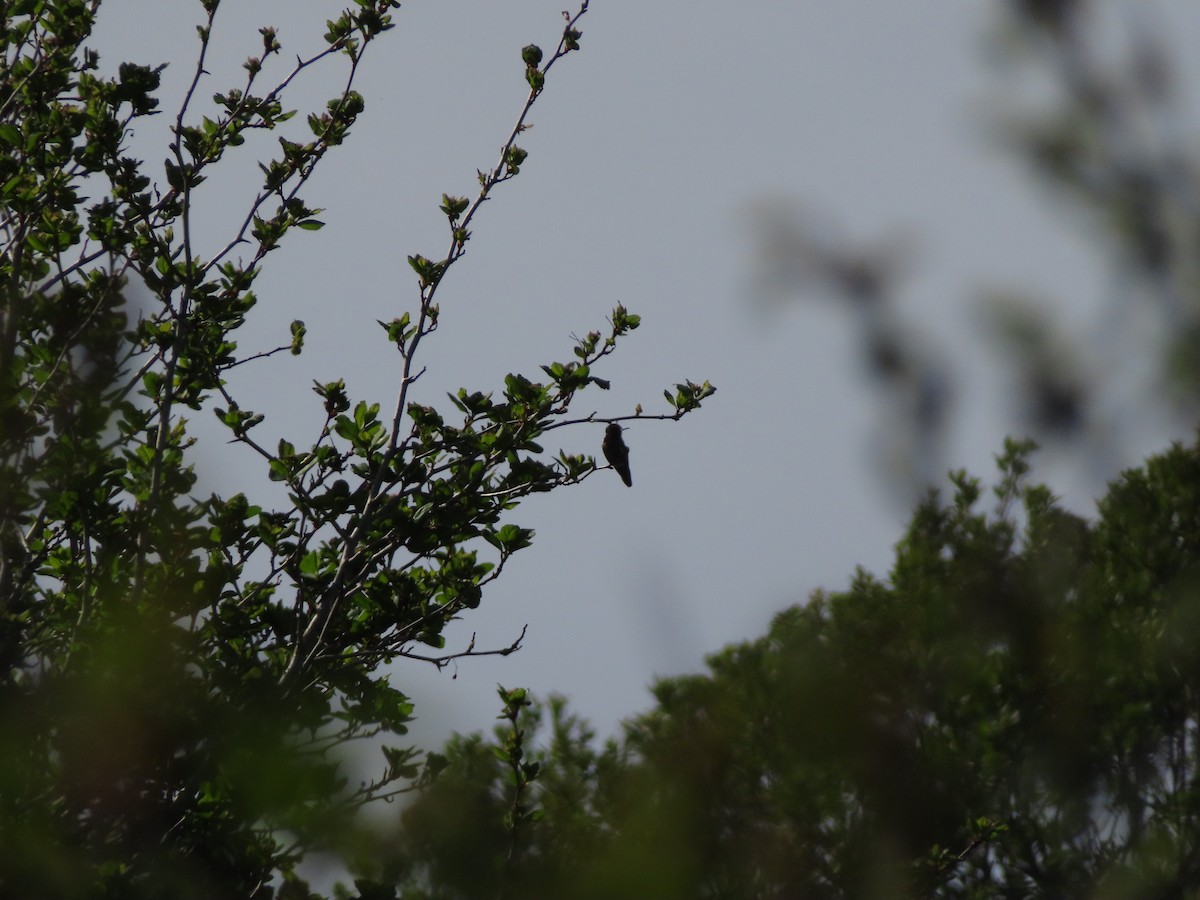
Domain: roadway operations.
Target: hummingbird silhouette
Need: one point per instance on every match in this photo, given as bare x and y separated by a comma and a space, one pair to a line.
616, 452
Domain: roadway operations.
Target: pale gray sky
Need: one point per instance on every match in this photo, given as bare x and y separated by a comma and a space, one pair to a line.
649, 148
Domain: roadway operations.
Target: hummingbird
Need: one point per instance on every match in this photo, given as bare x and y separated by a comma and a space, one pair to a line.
616, 452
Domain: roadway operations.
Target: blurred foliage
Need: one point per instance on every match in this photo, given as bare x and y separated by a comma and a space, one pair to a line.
180, 675
1088, 98
1012, 712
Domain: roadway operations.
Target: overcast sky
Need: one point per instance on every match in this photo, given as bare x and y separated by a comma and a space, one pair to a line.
650, 150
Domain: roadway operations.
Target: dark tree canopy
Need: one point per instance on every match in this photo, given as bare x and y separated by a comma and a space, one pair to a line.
1011, 712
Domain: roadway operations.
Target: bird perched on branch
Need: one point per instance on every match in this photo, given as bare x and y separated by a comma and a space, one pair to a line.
616, 452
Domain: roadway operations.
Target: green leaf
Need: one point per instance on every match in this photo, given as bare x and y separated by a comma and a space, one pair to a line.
454, 207
531, 55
